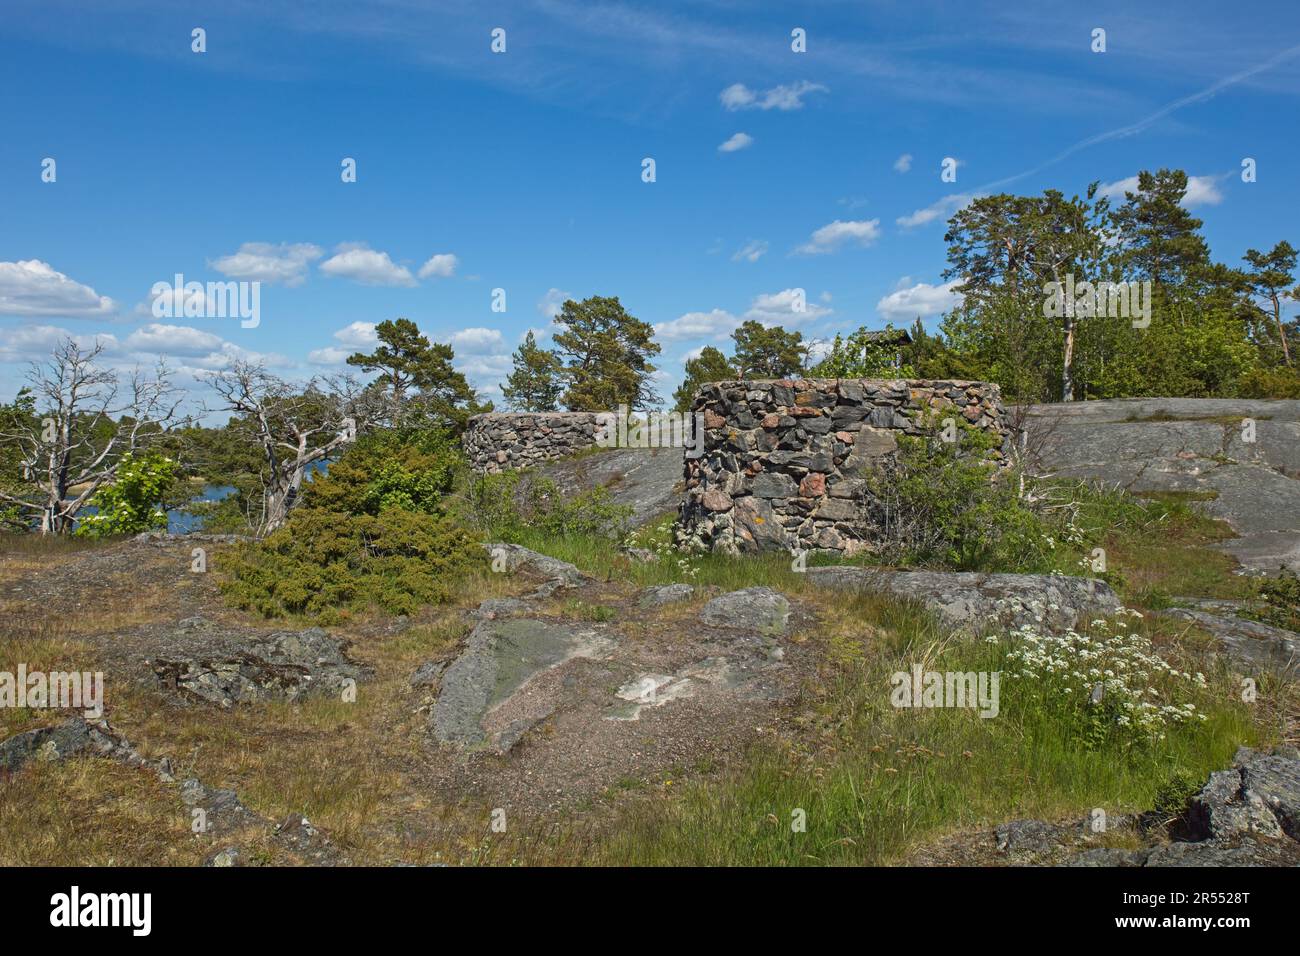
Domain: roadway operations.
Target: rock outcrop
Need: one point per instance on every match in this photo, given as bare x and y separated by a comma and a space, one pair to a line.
500, 656
975, 603
1247, 815
283, 665
1241, 457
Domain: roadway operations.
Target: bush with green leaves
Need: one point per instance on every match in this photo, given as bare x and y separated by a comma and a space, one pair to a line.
133, 502
413, 471
373, 532
326, 565
1277, 601
949, 504
519, 504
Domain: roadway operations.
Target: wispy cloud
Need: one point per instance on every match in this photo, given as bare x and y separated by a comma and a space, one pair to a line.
751, 251
788, 97
835, 235
737, 142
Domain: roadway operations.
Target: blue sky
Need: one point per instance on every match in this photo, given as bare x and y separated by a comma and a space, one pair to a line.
522, 170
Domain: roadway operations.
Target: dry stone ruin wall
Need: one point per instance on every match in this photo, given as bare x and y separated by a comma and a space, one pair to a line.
785, 461
495, 442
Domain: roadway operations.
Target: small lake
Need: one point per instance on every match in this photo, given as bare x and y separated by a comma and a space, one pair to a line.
182, 521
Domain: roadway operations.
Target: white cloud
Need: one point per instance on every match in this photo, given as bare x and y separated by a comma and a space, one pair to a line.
941, 209
284, 264
1201, 190
188, 301
221, 358
442, 265
366, 266
357, 336
172, 340
32, 287
835, 234
751, 251
921, 299
330, 355
477, 341
787, 307
737, 142
35, 342
903, 163
489, 367
693, 325
786, 97
550, 304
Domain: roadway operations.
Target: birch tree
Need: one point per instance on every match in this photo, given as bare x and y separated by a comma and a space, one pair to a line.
77, 421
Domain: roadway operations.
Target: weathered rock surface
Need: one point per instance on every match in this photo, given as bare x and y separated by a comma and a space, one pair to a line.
975, 602
758, 609
283, 665
1247, 815
1249, 644
1258, 796
45, 743
647, 480
556, 574
1189, 445
661, 594
499, 658
217, 812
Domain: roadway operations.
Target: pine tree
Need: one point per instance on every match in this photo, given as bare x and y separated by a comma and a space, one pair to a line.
606, 353
535, 384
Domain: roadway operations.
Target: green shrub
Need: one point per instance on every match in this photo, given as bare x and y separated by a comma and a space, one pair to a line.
1270, 383
323, 564
1277, 601
935, 502
371, 533
388, 469
516, 504
132, 503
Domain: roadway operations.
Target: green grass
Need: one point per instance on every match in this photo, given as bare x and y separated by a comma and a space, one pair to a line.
875, 781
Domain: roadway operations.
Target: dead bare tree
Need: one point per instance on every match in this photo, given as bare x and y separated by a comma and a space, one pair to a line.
84, 421
295, 425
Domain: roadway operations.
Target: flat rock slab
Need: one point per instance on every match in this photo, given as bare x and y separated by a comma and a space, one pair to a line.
45, 743
556, 574
500, 657
645, 479
256, 666
748, 678
661, 594
1190, 445
758, 609
1249, 644
977, 603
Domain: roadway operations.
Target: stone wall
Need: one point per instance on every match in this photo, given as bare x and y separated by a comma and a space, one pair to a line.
784, 461
498, 441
